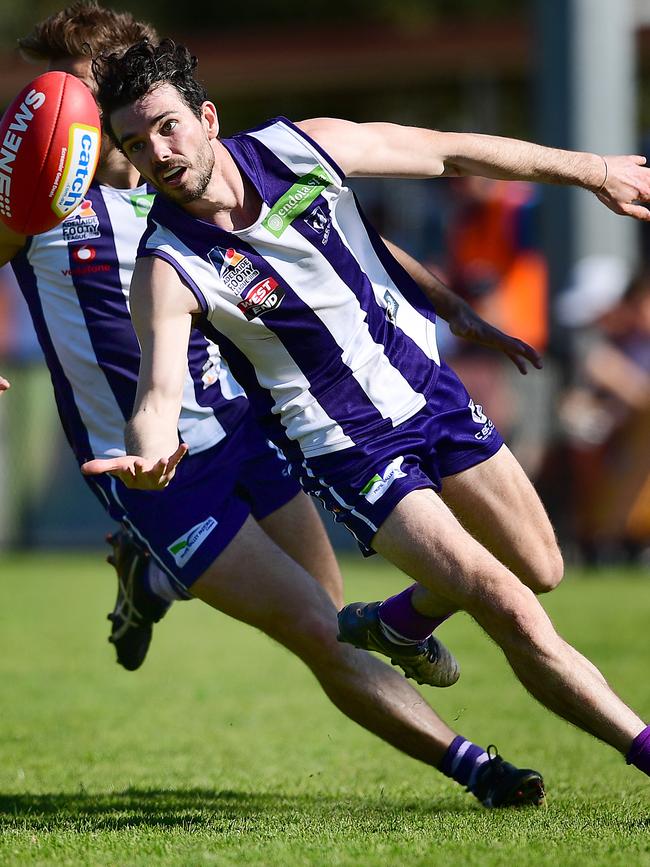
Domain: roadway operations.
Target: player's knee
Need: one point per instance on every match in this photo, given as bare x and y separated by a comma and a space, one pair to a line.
549, 570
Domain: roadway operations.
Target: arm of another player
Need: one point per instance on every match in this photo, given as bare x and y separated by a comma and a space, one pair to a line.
5, 385
463, 321
161, 308
621, 182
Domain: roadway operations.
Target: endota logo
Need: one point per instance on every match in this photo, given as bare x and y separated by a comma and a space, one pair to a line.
12, 141
73, 178
185, 546
379, 484
296, 200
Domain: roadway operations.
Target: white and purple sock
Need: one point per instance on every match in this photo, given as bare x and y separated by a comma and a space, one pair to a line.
462, 761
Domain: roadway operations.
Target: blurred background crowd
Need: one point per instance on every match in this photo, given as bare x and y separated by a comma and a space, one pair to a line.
549, 265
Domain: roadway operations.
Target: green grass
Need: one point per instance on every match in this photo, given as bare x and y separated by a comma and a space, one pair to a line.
222, 750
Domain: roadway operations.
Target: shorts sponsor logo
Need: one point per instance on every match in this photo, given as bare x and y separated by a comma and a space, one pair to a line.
76, 173
142, 203
480, 418
380, 483
392, 306
186, 545
235, 269
296, 200
82, 225
320, 222
261, 298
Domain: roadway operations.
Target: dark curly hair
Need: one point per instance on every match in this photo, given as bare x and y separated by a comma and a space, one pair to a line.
124, 78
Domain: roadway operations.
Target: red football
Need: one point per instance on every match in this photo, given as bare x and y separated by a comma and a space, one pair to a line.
50, 138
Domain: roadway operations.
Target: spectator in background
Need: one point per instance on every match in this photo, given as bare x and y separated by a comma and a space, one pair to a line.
495, 264
605, 414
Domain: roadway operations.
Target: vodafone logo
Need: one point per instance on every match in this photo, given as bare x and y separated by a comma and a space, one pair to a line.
84, 254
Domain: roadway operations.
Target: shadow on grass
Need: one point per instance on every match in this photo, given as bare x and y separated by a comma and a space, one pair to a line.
203, 808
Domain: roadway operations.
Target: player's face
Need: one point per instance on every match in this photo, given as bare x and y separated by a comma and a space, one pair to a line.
167, 143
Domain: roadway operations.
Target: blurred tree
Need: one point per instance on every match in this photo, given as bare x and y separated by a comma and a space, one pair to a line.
17, 18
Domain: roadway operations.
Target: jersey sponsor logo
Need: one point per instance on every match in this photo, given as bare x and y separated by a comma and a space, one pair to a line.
261, 298
381, 482
82, 225
320, 222
480, 417
84, 254
392, 306
296, 200
235, 269
142, 203
186, 545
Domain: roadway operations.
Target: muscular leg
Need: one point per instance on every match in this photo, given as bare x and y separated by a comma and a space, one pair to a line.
257, 583
496, 502
424, 539
297, 528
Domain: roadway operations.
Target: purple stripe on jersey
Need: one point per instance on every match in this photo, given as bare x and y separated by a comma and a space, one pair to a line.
407, 285
161, 254
73, 426
401, 350
207, 385
260, 399
104, 307
315, 145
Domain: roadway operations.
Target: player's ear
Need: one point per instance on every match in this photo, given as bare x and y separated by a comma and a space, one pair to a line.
210, 119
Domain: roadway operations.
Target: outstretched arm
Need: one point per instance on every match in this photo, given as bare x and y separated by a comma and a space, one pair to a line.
463, 321
161, 308
622, 183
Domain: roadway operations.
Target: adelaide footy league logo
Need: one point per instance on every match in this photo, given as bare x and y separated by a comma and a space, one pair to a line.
236, 270
82, 225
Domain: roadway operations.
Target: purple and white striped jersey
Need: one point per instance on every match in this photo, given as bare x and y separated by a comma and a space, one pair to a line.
331, 339
76, 280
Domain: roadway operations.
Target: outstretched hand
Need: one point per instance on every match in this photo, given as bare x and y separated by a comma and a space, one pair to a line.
4, 384
466, 323
626, 189
137, 472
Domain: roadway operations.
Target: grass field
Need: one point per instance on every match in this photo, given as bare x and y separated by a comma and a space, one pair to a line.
221, 749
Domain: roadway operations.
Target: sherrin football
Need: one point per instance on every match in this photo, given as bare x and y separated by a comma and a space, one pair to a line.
50, 138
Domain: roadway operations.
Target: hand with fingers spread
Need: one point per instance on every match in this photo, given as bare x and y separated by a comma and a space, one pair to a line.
466, 323
137, 472
625, 188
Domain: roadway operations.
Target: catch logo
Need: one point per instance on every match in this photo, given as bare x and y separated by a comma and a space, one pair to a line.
236, 271
379, 484
264, 296
392, 306
185, 546
480, 418
11, 143
82, 225
296, 200
76, 168
320, 222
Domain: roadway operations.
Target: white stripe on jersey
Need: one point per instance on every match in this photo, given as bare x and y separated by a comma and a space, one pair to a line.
278, 139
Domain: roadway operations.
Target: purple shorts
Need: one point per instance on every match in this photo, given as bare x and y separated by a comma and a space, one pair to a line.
362, 485
189, 524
